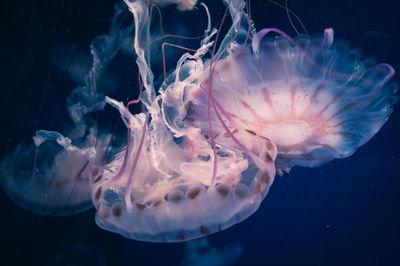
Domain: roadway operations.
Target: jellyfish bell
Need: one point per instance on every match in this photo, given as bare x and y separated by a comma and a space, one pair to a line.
317, 100
160, 189
52, 177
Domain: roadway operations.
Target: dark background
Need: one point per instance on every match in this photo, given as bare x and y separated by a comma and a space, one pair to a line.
343, 213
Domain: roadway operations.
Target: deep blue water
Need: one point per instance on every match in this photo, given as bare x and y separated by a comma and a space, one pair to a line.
343, 213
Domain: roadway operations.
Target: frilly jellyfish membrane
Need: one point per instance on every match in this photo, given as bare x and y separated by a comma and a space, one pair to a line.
316, 100
166, 185
204, 153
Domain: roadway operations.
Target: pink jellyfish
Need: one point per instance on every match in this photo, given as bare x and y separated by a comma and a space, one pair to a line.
165, 185
315, 99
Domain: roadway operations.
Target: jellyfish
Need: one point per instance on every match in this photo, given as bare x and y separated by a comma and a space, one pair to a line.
51, 176
164, 186
314, 98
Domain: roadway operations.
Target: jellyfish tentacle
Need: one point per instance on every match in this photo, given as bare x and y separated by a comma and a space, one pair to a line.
135, 160
291, 13
163, 54
211, 73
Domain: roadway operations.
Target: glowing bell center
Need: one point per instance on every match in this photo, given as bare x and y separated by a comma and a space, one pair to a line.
289, 132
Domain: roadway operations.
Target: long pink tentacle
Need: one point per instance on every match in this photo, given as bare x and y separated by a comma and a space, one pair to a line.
212, 67
137, 155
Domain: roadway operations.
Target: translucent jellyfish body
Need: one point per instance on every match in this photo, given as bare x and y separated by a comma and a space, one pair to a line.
160, 187
315, 99
53, 177
171, 183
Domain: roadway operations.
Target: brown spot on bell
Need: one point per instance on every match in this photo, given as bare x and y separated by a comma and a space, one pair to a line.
240, 193
140, 206
204, 230
181, 236
223, 190
265, 178
98, 178
117, 210
257, 188
156, 203
194, 192
98, 194
268, 157
175, 196
270, 147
